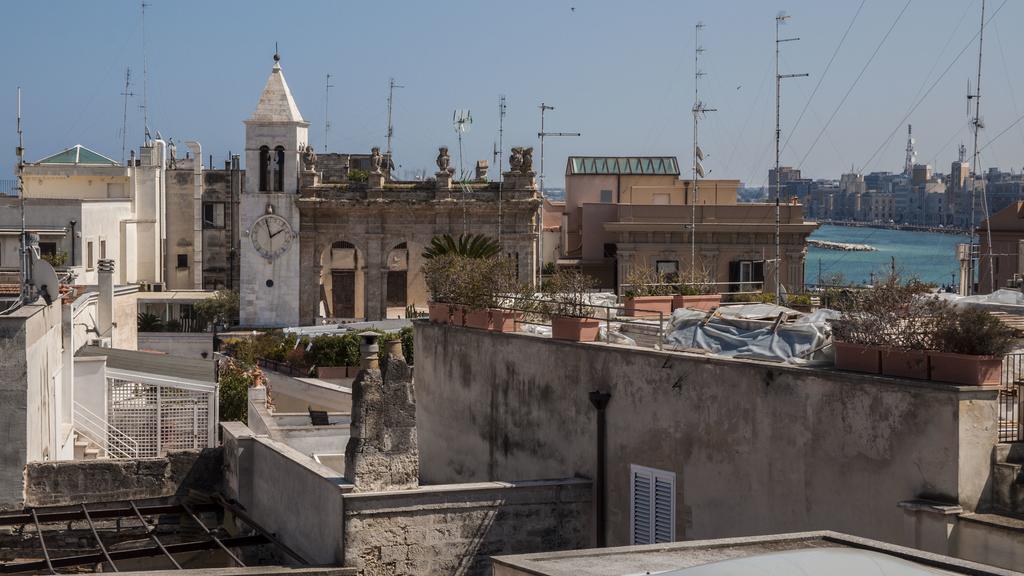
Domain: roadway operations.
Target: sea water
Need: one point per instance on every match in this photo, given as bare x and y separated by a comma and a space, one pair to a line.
929, 256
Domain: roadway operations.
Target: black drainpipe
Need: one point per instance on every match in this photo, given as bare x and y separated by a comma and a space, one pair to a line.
600, 401
72, 261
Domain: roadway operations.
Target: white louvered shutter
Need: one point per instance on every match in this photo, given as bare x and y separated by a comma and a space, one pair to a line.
652, 505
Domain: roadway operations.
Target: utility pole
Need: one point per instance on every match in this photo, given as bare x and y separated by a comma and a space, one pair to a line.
327, 113
540, 209
391, 95
124, 120
500, 153
779, 21
698, 170
977, 125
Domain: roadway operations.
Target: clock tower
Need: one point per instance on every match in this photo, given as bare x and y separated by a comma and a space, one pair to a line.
275, 134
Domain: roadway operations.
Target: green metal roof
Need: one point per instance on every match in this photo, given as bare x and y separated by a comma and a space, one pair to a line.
78, 154
614, 165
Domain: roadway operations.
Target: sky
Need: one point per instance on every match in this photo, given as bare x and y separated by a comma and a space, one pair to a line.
619, 72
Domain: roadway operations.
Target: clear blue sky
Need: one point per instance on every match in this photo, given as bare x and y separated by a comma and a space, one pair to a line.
619, 72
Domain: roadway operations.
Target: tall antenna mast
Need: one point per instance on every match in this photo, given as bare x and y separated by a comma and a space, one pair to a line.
462, 120
145, 77
24, 265
124, 119
500, 153
540, 208
908, 164
391, 131
779, 21
977, 125
698, 154
327, 117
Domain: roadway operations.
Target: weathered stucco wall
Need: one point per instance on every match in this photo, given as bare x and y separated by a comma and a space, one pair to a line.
82, 481
757, 448
455, 529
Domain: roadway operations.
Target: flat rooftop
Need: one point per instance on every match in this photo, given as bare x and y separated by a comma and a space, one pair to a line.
776, 554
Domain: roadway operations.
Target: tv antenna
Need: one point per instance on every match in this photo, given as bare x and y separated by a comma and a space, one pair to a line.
124, 119
391, 130
463, 121
780, 19
699, 109
540, 208
145, 76
26, 263
327, 117
499, 153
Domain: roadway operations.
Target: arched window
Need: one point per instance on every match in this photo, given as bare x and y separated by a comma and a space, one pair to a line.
279, 169
264, 168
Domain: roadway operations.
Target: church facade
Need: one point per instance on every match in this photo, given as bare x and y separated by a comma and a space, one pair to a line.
317, 246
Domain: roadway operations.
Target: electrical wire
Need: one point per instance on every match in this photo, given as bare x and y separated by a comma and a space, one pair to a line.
828, 66
855, 82
930, 88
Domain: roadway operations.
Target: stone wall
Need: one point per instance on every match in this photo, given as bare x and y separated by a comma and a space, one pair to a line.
757, 448
84, 481
454, 529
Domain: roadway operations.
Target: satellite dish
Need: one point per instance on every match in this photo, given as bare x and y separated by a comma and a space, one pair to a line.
700, 153
45, 279
700, 170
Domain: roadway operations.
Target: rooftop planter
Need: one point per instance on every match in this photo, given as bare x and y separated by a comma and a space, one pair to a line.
901, 330
648, 293
566, 304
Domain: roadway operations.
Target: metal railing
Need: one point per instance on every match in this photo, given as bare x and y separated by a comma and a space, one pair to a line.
113, 442
533, 314
1011, 401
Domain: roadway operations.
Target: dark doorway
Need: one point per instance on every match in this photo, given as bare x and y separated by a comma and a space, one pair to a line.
396, 288
343, 287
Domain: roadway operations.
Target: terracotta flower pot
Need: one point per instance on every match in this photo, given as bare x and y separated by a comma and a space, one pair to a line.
858, 357
438, 312
905, 363
503, 320
697, 302
639, 306
966, 369
477, 318
575, 329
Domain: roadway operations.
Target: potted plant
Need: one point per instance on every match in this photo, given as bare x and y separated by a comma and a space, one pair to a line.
566, 304
970, 344
506, 292
441, 278
648, 292
887, 330
698, 292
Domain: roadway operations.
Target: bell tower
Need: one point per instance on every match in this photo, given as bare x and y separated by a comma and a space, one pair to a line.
275, 133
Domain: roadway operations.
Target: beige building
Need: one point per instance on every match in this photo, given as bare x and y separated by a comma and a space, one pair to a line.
621, 211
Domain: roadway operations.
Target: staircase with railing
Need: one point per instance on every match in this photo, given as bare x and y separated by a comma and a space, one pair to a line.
112, 442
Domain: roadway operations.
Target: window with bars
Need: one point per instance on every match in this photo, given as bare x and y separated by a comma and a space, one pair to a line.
652, 505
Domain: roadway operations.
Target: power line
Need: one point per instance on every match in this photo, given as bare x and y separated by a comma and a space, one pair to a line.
854, 84
903, 120
825, 72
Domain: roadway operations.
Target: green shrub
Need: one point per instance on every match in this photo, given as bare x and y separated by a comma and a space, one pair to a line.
235, 379
973, 331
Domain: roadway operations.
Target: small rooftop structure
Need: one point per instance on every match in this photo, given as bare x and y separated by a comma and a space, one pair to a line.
800, 553
159, 367
79, 154
621, 165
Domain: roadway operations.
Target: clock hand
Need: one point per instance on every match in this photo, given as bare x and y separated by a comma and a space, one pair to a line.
267, 222
276, 233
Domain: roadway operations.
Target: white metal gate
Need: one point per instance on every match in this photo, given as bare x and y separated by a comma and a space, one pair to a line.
159, 418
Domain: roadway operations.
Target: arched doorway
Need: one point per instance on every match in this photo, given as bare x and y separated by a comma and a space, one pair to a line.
343, 280
397, 264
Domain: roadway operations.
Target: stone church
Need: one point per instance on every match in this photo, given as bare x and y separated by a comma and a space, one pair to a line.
316, 244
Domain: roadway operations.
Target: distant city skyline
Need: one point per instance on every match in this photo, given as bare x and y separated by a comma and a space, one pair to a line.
619, 73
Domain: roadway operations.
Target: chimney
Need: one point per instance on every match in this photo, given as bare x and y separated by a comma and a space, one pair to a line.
105, 306
368, 350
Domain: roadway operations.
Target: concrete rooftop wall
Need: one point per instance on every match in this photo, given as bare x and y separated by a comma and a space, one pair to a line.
756, 448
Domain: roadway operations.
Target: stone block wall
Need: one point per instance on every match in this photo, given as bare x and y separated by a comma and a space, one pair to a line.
454, 529
84, 481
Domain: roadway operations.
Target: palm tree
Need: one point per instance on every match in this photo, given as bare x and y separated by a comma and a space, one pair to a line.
467, 245
149, 322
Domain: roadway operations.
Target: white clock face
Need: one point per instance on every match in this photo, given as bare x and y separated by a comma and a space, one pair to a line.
271, 236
